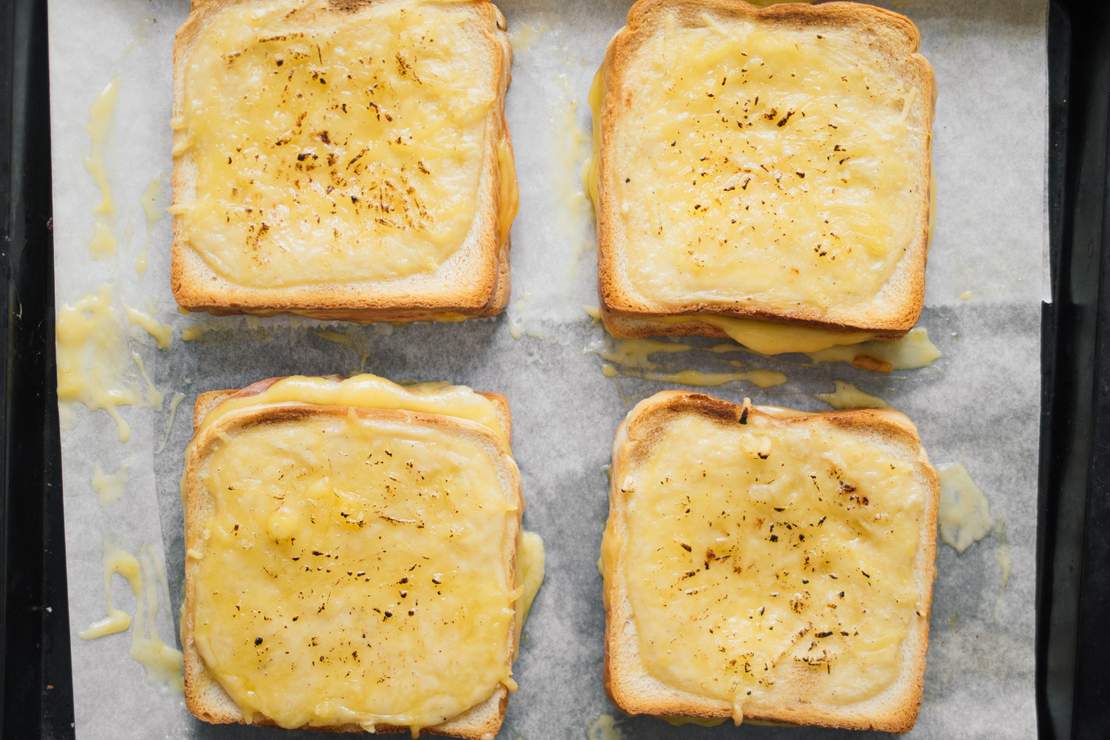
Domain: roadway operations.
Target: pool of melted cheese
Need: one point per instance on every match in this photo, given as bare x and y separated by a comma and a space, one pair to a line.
768, 165
772, 554
333, 147
352, 569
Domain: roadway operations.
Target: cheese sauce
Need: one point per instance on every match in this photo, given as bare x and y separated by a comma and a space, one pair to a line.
633, 356
167, 427
770, 338
345, 552
100, 121
965, 515
161, 333
636, 353
371, 392
771, 557
531, 560
145, 575
352, 573
92, 358
847, 396
116, 621
771, 169
758, 378
336, 147
912, 351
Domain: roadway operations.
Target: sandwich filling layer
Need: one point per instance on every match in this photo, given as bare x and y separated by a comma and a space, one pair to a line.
336, 146
369, 392
352, 569
777, 167
770, 338
772, 558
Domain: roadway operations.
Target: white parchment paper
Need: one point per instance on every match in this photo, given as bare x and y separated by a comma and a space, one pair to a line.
979, 404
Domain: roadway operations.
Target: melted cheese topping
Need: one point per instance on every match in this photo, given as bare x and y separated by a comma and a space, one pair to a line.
634, 358
359, 564
336, 146
167, 425
161, 661
145, 575
911, 351
758, 378
965, 513
92, 359
530, 561
771, 557
847, 396
770, 338
636, 353
353, 572
371, 392
769, 165
100, 120
161, 333
116, 620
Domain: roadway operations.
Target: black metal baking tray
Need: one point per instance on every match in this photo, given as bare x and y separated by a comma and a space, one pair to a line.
1073, 577
35, 683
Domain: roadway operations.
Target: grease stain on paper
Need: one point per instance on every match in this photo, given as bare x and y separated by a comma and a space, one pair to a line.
604, 727
109, 487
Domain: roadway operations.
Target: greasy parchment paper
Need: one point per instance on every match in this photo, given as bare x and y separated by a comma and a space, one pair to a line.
977, 405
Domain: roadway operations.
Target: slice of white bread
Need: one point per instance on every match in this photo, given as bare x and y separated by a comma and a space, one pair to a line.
313, 176
700, 660
205, 697
762, 163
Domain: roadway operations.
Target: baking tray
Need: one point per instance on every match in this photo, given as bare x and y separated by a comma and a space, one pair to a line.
35, 685
1073, 582
1073, 577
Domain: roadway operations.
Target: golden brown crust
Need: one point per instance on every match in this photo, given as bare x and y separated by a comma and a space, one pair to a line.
625, 680
204, 697
476, 287
898, 305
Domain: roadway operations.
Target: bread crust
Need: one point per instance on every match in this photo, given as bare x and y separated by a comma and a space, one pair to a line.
473, 283
896, 308
204, 697
627, 682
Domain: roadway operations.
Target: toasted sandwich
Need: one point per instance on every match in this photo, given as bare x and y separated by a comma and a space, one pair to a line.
762, 173
768, 565
343, 160
354, 557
